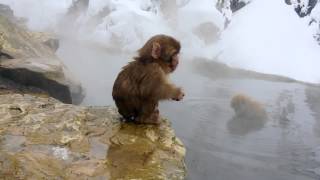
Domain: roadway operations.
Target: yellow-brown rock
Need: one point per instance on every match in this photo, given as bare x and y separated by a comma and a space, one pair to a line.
42, 138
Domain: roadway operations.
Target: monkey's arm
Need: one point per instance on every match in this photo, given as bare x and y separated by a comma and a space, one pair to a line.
155, 85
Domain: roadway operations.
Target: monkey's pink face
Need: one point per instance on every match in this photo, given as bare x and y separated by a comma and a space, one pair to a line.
174, 62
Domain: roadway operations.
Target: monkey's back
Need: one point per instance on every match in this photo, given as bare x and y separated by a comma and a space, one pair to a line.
131, 86
126, 83
135, 78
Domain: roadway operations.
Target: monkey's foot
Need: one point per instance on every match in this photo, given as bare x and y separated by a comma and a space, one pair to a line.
154, 118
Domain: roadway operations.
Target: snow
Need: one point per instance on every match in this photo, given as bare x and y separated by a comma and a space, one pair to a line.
268, 37
189, 17
128, 25
265, 36
96, 6
315, 15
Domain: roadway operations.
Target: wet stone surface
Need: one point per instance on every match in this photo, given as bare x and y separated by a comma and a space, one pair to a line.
43, 138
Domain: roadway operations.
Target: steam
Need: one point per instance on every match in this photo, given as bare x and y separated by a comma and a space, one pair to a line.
266, 36
41, 15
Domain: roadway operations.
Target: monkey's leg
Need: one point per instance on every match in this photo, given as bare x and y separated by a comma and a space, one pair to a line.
127, 113
149, 114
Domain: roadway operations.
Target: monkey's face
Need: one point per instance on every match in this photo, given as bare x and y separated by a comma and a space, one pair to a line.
171, 57
174, 62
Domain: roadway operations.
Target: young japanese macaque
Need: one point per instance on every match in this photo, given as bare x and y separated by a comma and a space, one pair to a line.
250, 115
246, 107
144, 82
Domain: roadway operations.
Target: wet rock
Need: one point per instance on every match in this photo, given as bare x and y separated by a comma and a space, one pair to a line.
153, 152
41, 137
26, 60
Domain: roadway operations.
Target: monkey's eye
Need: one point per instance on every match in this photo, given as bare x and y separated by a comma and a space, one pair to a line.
175, 56
170, 57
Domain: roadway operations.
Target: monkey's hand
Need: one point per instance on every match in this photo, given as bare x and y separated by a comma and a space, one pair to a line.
178, 95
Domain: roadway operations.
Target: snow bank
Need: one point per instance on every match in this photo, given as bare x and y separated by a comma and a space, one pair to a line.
265, 36
268, 36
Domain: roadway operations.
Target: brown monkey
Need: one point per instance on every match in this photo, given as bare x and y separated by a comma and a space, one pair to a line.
143, 82
245, 107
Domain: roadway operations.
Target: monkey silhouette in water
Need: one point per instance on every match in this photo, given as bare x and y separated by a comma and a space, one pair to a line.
144, 82
250, 115
246, 107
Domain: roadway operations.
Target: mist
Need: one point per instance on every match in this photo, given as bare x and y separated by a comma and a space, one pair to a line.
264, 36
275, 43
94, 47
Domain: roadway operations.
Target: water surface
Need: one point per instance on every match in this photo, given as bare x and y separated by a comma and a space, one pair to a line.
284, 147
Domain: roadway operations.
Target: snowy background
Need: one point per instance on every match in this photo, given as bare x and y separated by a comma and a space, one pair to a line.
269, 36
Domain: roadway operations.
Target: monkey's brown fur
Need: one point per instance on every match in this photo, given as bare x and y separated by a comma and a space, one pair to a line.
246, 107
143, 82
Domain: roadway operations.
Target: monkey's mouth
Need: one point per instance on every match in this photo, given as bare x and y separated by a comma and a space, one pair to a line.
173, 67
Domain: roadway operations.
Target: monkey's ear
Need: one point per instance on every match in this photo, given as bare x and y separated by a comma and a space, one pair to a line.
156, 50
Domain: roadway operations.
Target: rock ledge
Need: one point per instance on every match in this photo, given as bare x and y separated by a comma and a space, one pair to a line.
42, 138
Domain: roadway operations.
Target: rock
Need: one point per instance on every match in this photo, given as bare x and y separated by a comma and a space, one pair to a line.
47, 39
8, 86
76, 9
25, 59
169, 9
78, 6
216, 70
235, 5
42, 138
19, 43
302, 8
153, 152
98, 18
7, 12
44, 73
207, 32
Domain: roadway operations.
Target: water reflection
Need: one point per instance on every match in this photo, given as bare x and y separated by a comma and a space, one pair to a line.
242, 125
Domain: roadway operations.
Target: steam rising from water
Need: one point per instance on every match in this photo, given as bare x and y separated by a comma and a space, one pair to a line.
41, 15
96, 43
